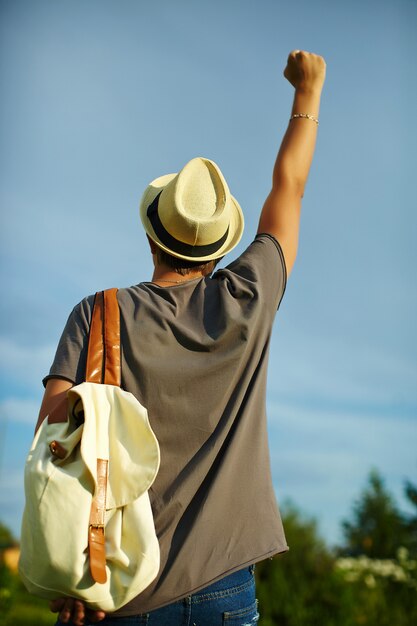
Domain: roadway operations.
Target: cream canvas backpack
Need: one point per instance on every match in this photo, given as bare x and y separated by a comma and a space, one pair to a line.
87, 529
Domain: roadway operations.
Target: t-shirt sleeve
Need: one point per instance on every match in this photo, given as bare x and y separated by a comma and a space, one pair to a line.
259, 274
71, 354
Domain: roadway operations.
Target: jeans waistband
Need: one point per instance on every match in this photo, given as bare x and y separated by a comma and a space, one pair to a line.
231, 580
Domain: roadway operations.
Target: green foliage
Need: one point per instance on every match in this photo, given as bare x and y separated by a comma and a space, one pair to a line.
411, 520
312, 585
385, 590
381, 574
377, 528
17, 606
6, 537
7, 587
301, 587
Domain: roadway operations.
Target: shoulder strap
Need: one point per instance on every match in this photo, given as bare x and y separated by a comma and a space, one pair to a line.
103, 366
103, 356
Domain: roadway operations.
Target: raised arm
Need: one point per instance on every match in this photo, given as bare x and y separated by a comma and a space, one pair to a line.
280, 214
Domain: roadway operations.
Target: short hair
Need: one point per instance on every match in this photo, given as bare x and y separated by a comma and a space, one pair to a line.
184, 266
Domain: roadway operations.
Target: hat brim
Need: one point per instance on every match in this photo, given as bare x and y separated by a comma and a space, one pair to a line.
236, 224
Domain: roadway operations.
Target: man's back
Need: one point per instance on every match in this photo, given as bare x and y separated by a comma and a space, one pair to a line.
195, 354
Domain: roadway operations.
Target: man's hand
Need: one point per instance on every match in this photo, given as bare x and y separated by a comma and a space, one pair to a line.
305, 70
74, 612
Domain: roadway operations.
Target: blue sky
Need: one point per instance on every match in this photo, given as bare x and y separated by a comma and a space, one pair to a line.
99, 97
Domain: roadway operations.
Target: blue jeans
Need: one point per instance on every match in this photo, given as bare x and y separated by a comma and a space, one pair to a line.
230, 601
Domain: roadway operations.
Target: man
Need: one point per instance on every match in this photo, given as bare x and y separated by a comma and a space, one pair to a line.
194, 352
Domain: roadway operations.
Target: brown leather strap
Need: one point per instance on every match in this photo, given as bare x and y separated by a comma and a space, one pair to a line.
97, 554
96, 539
103, 356
111, 338
103, 366
95, 354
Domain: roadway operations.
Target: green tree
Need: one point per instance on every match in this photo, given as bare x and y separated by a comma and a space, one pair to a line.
411, 520
310, 586
6, 537
376, 528
302, 587
7, 586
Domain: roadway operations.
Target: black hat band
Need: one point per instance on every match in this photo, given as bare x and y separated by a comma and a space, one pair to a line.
174, 244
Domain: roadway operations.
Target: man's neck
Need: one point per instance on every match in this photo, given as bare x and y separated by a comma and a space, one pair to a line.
165, 276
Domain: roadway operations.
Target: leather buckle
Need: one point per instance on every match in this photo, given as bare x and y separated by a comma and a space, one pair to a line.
57, 450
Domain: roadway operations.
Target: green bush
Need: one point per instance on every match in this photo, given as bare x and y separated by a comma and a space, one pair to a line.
371, 580
7, 585
302, 587
17, 606
384, 590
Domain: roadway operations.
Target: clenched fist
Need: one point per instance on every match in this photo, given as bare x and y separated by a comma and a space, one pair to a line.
305, 70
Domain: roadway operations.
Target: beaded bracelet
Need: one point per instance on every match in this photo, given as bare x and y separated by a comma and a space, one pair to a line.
306, 115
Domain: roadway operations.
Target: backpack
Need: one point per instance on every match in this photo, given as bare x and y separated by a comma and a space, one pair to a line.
87, 527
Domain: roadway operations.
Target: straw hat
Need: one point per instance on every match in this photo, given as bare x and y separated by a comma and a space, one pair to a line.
192, 215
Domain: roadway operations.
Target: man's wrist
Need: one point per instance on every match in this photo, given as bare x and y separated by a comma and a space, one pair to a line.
309, 90
307, 101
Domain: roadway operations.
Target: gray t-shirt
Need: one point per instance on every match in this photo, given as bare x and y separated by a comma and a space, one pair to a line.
195, 355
